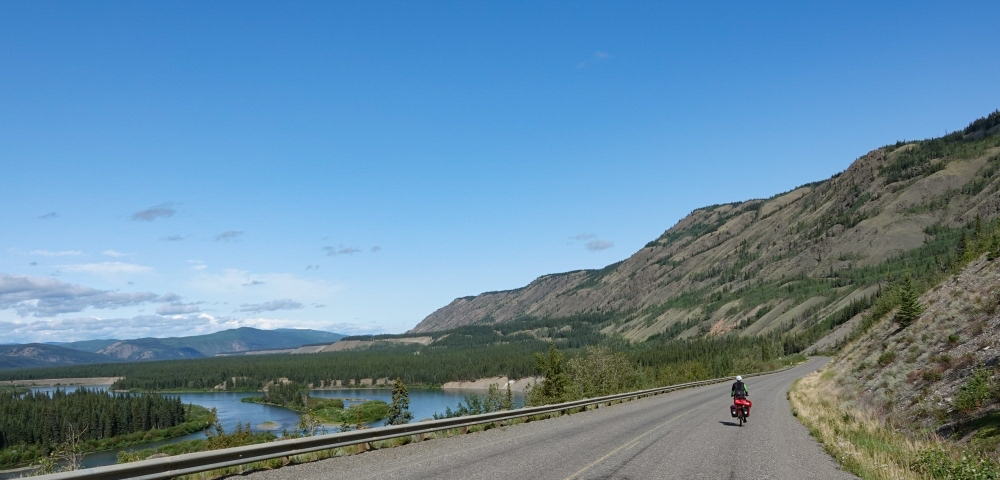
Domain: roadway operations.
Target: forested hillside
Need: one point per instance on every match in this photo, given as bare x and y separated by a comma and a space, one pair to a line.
783, 264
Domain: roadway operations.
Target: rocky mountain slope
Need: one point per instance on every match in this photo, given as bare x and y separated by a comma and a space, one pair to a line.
777, 264
942, 371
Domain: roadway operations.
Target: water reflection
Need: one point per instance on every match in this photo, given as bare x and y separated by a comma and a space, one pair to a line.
232, 411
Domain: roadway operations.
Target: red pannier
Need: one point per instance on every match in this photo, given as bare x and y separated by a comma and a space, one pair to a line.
742, 403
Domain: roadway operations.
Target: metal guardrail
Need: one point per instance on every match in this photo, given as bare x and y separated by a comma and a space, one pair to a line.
188, 463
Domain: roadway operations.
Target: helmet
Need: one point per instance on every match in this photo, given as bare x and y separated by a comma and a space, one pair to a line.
739, 378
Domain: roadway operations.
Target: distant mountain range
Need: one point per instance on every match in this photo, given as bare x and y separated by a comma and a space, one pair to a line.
111, 350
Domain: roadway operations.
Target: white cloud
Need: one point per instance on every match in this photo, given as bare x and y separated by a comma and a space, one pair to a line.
115, 253
48, 297
89, 328
176, 309
61, 253
107, 268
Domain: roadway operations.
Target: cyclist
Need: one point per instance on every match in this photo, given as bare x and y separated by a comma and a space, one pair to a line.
739, 394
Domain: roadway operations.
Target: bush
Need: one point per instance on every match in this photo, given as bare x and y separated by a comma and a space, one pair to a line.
939, 464
886, 358
975, 393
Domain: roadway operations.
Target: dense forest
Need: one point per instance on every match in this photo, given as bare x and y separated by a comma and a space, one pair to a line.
33, 424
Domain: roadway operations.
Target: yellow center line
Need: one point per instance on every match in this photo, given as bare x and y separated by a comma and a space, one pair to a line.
633, 442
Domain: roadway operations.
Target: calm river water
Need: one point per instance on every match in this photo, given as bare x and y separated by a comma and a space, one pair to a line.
423, 404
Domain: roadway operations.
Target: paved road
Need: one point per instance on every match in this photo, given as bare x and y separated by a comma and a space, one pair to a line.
684, 435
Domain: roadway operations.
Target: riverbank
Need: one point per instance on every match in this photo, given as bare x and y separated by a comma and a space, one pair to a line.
63, 382
518, 385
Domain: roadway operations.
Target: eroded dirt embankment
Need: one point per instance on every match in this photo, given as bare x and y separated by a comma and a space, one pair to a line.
62, 382
484, 383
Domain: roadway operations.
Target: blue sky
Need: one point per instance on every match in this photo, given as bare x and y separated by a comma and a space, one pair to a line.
177, 168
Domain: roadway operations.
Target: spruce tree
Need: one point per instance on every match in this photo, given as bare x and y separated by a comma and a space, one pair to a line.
909, 304
399, 411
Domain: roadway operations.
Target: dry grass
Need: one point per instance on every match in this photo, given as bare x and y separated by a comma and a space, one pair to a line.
868, 447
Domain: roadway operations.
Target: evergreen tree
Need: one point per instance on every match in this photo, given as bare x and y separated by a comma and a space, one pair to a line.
399, 411
909, 304
963, 244
553, 386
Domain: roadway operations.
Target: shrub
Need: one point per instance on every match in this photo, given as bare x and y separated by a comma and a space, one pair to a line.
886, 358
975, 392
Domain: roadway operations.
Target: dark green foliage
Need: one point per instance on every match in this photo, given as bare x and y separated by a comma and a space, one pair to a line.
493, 401
365, 412
553, 386
287, 394
983, 124
909, 304
975, 393
929, 156
399, 410
941, 464
601, 372
216, 437
33, 424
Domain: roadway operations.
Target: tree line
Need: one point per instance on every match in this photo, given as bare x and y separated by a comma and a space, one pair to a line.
33, 424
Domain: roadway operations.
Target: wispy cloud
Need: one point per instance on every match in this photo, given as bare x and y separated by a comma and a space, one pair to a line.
61, 253
376, 248
115, 253
229, 284
107, 268
228, 235
340, 250
312, 267
163, 210
49, 215
595, 59
273, 305
583, 236
597, 245
172, 238
47, 297
253, 283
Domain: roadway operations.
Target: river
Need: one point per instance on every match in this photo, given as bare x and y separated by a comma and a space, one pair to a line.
232, 411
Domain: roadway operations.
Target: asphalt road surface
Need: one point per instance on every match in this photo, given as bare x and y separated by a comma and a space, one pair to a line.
687, 434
